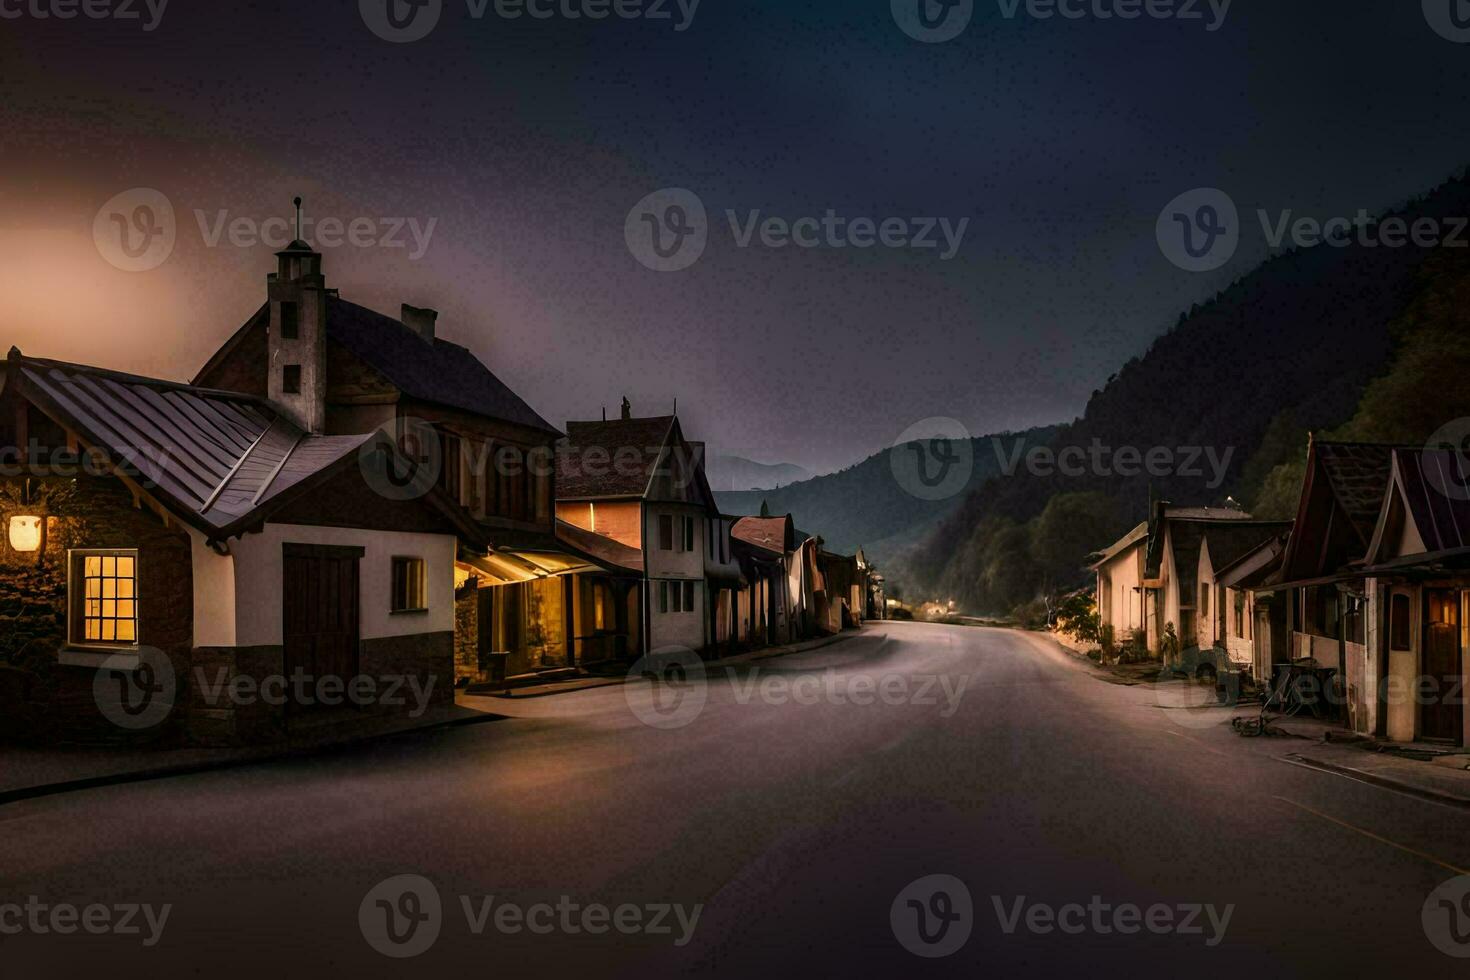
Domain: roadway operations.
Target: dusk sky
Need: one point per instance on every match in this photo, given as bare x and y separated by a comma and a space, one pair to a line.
517, 148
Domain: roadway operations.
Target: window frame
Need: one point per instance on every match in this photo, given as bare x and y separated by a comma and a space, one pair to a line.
1400, 619
76, 599
290, 325
413, 563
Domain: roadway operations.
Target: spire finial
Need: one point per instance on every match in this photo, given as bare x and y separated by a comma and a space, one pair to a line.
297, 202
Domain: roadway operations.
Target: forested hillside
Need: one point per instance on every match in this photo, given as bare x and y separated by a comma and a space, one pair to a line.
1356, 342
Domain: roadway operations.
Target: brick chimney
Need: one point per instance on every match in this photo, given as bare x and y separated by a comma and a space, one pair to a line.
298, 334
420, 321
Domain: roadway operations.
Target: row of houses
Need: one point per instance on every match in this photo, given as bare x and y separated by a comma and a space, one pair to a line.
339, 494
1371, 581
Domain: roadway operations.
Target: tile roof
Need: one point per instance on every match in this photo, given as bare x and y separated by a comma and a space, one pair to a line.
615, 458
438, 372
774, 534
1357, 473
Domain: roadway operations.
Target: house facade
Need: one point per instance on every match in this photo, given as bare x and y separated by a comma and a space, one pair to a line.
640, 483
530, 601
1159, 581
183, 564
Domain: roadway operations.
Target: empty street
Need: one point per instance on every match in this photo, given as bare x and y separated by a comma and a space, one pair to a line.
770, 835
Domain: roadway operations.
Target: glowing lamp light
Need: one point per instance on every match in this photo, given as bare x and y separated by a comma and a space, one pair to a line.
25, 533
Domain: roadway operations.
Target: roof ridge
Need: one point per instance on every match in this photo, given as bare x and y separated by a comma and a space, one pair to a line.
125, 377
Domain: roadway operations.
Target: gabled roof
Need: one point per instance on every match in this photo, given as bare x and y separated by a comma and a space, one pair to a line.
217, 460
1254, 566
614, 458
776, 535
1127, 541
1357, 473
440, 372
1431, 489
1192, 521
1342, 494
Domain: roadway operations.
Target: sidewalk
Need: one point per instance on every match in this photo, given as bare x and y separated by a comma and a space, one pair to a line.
28, 772
589, 682
1439, 774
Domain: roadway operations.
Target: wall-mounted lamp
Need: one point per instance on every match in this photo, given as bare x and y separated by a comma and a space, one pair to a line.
25, 533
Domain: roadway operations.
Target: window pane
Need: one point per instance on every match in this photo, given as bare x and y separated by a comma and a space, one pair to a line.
94, 566
125, 567
109, 565
125, 631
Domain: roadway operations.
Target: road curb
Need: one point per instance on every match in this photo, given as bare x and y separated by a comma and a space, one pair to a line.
1374, 779
573, 687
193, 768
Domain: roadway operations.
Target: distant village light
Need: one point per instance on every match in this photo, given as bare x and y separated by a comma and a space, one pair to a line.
25, 533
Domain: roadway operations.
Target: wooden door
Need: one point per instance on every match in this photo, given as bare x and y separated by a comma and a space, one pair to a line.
1440, 713
323, 599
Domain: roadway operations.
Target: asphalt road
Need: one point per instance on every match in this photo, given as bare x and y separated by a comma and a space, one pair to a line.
794, 808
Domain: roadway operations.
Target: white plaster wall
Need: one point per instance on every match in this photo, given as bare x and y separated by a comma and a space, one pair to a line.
259, 571
214, 594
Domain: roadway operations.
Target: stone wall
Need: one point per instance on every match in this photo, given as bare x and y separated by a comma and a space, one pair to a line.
467, 631
42, 701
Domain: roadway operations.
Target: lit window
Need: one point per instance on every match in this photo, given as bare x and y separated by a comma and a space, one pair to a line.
103, 598
409, 587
